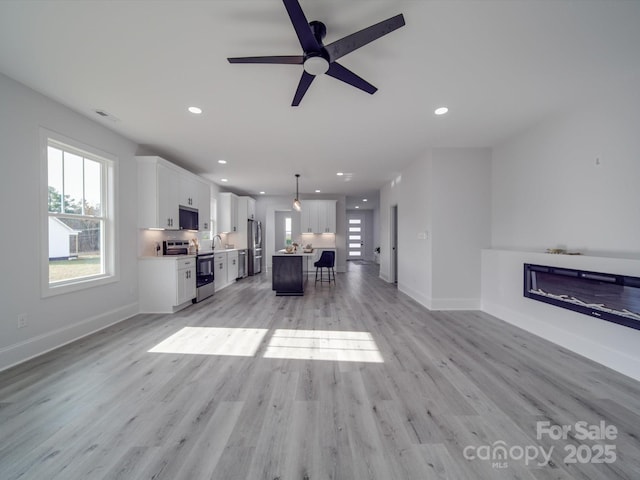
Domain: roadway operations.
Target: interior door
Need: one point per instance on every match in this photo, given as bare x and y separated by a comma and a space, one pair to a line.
394, 243
355, 237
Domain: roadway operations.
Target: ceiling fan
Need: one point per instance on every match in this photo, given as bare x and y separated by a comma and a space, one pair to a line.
318, 58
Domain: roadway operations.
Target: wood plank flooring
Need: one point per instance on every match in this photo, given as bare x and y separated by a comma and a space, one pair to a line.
275, 388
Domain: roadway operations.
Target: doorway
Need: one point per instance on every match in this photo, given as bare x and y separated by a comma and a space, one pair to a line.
394, 243
356, 237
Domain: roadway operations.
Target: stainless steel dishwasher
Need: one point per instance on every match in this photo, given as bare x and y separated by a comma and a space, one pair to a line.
242, 263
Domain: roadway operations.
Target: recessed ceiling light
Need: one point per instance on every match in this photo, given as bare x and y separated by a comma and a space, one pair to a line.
357, 206
339, 174
441, 110
261, 193
224, 180
365, 200
196, 110
222, 162
317, 191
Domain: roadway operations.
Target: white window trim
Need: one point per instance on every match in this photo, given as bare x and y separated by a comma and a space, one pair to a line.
111, 249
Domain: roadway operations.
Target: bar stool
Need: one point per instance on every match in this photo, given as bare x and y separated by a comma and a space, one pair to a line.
327, 260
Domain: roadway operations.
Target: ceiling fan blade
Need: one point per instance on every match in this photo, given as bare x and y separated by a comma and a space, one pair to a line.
348, 44
287, 59
303, 86
301, 26
341, 73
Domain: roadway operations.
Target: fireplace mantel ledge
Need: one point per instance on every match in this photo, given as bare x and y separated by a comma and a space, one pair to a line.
634, 257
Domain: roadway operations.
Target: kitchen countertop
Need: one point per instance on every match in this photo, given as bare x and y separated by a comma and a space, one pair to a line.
164, 257
303, 254
217, 250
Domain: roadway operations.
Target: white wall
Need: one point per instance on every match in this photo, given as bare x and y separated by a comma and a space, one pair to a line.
571, 182
461, 224
54, 320
548, 190
443, 202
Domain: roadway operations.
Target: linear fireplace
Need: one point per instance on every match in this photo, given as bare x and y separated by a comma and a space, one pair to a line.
611, 297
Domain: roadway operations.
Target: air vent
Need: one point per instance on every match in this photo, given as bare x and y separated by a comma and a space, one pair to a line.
103, 113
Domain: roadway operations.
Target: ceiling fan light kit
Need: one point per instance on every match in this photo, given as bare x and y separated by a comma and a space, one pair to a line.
317, 58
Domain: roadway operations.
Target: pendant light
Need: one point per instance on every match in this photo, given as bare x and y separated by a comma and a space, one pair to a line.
297, 206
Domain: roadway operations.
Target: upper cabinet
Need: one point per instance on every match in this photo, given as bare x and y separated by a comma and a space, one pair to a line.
318, 216
188, 193
204, 205
157, 194
246, 208
162, 187
227, 212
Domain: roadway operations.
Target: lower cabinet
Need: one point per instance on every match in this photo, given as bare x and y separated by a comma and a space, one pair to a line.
287, 278
185, 280
232, 266
166, 284
225, 265
220, 267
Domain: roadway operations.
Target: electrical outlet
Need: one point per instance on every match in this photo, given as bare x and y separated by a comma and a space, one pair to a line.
22, 320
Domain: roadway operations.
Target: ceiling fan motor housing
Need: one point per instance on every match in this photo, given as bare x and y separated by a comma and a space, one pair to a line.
319, 30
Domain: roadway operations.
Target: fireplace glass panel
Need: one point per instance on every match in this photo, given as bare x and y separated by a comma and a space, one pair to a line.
611, 297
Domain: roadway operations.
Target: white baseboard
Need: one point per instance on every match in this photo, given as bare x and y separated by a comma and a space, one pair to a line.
455, 304
419, 297
33, 347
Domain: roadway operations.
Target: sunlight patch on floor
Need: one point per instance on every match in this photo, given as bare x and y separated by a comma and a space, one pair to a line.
323, 345
240, 342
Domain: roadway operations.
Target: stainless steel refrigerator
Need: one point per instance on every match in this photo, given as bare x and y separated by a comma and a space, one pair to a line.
254, 242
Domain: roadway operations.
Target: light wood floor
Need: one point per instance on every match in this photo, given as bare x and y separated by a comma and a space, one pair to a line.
448, 383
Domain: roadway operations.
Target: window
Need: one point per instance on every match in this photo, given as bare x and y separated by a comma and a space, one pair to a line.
79, 216
287, 231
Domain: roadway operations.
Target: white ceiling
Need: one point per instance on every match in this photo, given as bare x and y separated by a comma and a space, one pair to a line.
500, 66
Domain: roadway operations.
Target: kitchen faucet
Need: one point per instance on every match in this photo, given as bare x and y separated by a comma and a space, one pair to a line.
213, 243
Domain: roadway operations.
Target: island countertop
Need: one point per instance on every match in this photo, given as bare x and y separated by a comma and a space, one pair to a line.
282, 253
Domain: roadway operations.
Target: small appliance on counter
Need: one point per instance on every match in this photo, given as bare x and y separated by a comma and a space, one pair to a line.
175, 247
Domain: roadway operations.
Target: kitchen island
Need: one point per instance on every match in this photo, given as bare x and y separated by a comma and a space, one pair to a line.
288, 277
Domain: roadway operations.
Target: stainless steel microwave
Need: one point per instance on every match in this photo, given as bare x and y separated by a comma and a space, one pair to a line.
188, 218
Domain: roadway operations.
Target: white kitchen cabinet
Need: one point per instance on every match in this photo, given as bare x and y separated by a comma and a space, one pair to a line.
185, 280
227, 213
162, 187
232, 266
220, 270
330, 218
204, 206
166, 284
318, 216
157, 194
188, 191
251, 208
309, 216
246, 212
